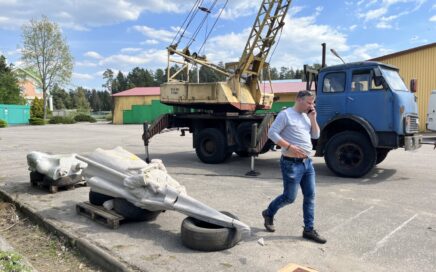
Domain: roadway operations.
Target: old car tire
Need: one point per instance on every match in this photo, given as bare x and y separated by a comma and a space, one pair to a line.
203, 236
382, 153
350, 154
211, 146
35, 177
133, 213
98, 198
62, 181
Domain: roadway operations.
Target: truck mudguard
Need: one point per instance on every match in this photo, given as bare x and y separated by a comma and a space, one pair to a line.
360, 121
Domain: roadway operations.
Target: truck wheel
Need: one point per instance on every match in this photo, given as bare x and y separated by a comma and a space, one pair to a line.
350, 154
382, 153
203, 236
243, 134
97, 198
211, 146
133, 213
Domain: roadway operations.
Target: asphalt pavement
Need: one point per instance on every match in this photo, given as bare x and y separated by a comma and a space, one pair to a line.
385, 221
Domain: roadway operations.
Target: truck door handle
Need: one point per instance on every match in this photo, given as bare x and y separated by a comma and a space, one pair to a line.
350, 98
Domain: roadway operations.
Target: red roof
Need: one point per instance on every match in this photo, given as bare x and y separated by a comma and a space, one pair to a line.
140, 91
278, 87
284, 87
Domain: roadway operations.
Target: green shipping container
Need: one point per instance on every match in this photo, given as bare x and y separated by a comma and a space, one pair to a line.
15, 114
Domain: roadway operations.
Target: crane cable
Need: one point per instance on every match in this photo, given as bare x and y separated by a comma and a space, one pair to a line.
201, 24
213, 26
190, 17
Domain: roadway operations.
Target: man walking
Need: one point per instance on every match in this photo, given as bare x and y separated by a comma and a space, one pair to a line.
292, 130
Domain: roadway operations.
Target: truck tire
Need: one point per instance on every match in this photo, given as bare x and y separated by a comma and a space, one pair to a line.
203, 236
382, 153
243, 134
131, 212
211, 146
350, 154
97, 198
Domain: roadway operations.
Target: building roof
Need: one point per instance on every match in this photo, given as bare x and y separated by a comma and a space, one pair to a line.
278, 87
284, 87
140, 91
405, 51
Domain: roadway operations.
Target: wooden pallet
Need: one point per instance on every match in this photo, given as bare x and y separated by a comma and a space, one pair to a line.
55, 188
99, 214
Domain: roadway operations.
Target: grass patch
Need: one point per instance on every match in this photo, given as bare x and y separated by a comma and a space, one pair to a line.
12, 262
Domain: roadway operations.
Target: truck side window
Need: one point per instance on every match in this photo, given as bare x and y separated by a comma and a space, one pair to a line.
363, 81
334, 83
360, 81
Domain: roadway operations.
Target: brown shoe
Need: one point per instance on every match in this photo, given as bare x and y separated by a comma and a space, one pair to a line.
314, 236
269, 224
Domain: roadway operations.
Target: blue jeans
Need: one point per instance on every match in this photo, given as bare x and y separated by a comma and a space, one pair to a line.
297, 174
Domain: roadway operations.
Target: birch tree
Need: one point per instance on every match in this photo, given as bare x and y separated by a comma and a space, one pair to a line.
46, 51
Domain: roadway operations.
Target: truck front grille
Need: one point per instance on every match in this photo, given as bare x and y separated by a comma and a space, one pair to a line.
411, 124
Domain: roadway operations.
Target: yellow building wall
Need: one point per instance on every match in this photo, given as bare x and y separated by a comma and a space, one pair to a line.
420, 65
286, 97
126, 102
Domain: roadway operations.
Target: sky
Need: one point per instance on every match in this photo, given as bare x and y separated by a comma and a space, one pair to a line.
123, 34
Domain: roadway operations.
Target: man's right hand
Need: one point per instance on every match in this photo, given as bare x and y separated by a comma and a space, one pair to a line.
296, 151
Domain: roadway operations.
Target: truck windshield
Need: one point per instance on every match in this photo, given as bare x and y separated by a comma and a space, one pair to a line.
393, 79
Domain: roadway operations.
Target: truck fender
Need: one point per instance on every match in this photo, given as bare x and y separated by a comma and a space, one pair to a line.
357, 120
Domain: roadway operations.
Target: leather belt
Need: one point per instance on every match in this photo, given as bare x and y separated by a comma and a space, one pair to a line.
294, 159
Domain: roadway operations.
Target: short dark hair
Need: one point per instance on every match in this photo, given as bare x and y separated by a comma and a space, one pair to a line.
304, 93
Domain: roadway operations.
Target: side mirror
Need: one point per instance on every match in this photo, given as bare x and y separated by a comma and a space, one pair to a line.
378, 77
414, 85
378, 80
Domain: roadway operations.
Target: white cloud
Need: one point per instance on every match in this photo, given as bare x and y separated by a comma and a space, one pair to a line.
418, 40
236, 9
156, 58
130, 49
85, 14
352, 27
85, 63
156, 34
383, 25
433, 19
367, 51
299, 43
80, 76
150, 42
93, 54
385, 13
373, 14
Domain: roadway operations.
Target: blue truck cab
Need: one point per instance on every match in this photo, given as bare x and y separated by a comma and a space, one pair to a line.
364, 111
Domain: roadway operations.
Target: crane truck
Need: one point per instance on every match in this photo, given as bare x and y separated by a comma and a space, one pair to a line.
364, 108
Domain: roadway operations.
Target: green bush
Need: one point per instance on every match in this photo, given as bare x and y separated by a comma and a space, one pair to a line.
109, 117
84, 118
3, 123
35, 121
61, 120
37, 108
